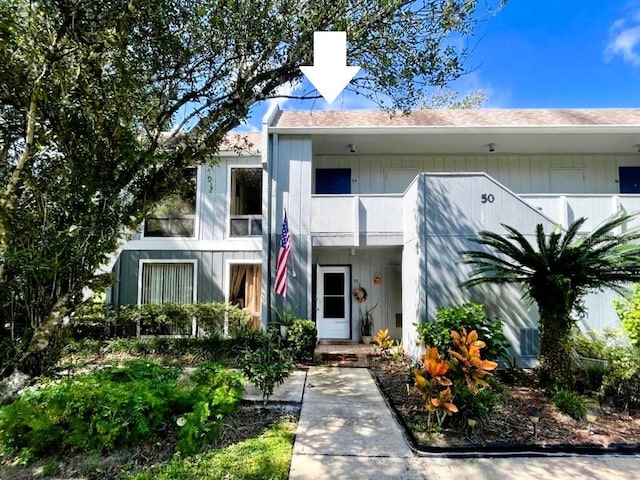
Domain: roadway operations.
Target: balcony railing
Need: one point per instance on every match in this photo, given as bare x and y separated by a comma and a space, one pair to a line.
246, 225
565, 209
170, 226
357, 219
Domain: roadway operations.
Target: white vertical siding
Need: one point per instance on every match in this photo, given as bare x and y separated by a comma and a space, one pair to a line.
520, 173
365, 265
214, 196
291, 189
453, 214
414, 276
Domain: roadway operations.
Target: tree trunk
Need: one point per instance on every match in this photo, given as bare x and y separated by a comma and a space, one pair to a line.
555, 348
42, 353
11, 385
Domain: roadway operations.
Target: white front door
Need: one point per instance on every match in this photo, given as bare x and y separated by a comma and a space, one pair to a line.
333, 316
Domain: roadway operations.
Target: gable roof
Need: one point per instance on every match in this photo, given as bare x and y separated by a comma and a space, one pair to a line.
501, 118
242, 142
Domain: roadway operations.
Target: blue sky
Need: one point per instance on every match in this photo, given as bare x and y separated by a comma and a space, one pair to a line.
544, 54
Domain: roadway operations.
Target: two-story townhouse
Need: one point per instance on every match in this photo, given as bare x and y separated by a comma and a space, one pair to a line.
387, 203
203, 244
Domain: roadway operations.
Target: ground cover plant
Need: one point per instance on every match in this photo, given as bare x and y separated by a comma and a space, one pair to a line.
190, 421
118, 405
265, 456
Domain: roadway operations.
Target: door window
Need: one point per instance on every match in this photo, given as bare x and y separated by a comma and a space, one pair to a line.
334, 295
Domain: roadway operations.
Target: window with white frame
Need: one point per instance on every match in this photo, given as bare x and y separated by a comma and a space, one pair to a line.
167, 282
175, 216
246, 202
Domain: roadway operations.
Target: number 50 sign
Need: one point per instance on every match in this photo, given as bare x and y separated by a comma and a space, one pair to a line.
487, 198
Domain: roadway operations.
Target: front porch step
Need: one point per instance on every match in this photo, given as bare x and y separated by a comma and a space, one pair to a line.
343, 354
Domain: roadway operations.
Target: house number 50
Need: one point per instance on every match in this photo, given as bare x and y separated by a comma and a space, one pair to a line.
487, 198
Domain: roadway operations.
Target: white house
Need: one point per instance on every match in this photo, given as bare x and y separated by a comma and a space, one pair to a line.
387, 203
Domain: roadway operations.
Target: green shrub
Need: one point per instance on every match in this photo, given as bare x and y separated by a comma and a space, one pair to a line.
109, 407
302, 338
594, 343
571, 403
628, 310
480, 405
268, 365
595, 375
470, 316
117, 406
83, 347
191, 350
621, 382
98, 321
211, 317
217, 393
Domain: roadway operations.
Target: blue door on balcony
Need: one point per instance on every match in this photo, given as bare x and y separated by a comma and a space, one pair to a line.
336, 181
333, 302
629, 179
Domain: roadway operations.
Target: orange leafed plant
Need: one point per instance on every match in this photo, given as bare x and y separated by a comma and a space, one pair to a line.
429, 383
442, 403
467, 354
435, 366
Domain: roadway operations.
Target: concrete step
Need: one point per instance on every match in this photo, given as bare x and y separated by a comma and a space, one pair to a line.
343, 355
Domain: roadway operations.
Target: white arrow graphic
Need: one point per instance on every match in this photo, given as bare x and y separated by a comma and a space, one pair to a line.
329, 72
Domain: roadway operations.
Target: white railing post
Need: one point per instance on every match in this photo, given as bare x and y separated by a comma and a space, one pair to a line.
616, 206
564, 212
356, 218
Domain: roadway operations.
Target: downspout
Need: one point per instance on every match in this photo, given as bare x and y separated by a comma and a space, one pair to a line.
269, 156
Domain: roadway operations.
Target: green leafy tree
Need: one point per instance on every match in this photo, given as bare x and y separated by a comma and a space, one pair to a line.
104, 104
556, 274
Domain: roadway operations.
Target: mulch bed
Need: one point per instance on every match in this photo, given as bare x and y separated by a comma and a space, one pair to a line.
508, 428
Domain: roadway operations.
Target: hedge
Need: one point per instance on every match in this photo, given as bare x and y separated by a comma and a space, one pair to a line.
99, 321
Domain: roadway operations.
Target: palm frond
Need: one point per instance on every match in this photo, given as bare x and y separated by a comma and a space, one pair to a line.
571, 233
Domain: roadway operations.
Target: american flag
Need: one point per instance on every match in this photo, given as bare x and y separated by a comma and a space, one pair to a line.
283, 255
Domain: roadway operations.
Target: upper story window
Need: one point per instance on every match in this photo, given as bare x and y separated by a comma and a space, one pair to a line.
176, 215
246, 202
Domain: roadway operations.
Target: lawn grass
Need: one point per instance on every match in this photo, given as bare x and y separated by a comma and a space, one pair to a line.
267, 457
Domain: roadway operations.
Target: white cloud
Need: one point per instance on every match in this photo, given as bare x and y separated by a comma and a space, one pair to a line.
283, 90
472, 82
625, 39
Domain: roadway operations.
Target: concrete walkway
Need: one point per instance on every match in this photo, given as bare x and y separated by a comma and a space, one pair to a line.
346, 431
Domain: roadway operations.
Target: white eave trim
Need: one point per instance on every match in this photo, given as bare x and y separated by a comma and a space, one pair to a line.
450, 129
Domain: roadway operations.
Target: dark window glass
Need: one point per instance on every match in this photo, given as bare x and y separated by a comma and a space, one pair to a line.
335, 181
246, 202
333, 307
175, 215
629, 179
334, 284
246, 191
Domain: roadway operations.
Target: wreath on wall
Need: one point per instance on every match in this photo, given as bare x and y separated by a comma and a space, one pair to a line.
360, 294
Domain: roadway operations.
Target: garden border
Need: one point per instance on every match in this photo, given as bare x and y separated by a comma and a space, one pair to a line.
502, 449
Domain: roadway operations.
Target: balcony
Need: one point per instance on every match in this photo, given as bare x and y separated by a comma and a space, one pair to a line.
169, 226
355, 220
565, 209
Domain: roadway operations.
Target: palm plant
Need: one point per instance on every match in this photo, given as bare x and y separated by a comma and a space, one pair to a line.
557, 275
